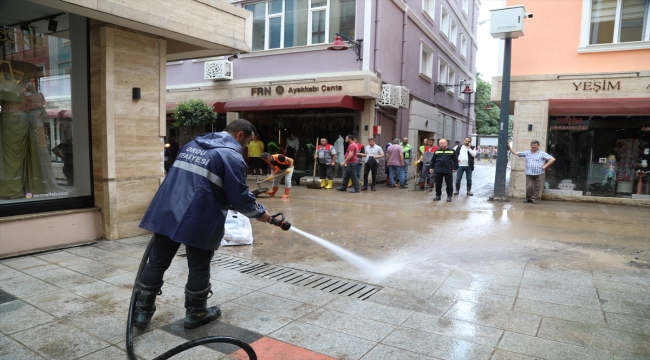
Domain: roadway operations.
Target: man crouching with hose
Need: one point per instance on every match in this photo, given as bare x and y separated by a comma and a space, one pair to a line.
190, 207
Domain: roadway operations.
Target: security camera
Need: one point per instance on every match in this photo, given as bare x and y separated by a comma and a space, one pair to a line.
233, 57
529, 15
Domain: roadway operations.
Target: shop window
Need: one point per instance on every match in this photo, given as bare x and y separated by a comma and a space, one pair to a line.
463, 46
444, 21
599, 156
426, 60
453, 33
615, 22
281, 24
44, 142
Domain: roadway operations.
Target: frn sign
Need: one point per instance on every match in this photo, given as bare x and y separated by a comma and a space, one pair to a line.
279, 90
597, 86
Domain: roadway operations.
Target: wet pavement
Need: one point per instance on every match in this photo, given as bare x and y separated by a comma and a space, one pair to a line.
556, 280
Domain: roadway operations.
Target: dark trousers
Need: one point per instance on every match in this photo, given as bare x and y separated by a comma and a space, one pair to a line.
371, 167
163, 251
533, 186
326, 171
350, 173
449, 178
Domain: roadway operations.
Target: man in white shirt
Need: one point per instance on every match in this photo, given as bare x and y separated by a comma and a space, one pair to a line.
465, 154
373, 152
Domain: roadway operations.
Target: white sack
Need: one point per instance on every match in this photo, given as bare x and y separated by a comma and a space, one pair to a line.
238, 230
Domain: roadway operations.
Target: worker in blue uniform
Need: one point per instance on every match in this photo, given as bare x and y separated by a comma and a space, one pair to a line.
190, 207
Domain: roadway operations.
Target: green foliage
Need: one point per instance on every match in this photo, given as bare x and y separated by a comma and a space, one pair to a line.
487, 121
273, 148
194, 113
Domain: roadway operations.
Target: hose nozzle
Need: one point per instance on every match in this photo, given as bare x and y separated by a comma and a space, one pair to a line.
278, 220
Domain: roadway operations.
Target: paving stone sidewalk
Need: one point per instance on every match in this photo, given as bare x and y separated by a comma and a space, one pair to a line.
72, 304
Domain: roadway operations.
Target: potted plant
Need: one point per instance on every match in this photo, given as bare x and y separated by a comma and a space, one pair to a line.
273, 148
191, 117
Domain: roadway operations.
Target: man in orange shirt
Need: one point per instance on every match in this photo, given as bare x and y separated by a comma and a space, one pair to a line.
279, 164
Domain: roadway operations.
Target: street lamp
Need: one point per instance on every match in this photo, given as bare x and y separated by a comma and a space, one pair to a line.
339, 45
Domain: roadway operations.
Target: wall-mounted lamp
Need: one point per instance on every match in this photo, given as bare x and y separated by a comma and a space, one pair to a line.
339, 45
52, 25
136, 93
365, 128
530, 127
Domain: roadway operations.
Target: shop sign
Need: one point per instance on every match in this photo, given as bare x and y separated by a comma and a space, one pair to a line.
279, 90
597, 86
569, 123
32, 40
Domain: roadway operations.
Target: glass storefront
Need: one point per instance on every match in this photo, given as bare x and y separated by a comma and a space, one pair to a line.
599, 156
44, 128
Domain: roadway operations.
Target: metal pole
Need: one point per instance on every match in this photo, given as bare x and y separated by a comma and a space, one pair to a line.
500, 192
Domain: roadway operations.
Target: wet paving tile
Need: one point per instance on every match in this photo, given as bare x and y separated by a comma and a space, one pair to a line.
637, 298
383, 352
101, 292
25, 286
370, 310
479, 286
561, 277
404, 299
63, 278
324, 341
344, 323
623, 345
104, 322
173, 295
9, 349
156, 342
476, 296
275, 305
457, 329
217, 327
627, 276
96, 270
426, 287
29, 264
6, 297
18, 316
122, 262
496, 317
7, 273
436, 345
626, 308
301, 294
124, 280
548, 349
620, 286
548, 285
563, 312
508, 355
59, 341
109, 353
568, 332
94, 253
554, 297
57, 257
224, 292
61, 303
472, 278
121, 248
251, 319
628, 323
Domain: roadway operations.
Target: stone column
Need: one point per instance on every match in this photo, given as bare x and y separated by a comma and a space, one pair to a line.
127, 143
231, 116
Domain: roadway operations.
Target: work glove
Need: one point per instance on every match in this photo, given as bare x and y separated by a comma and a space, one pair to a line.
269, 178
288, 171
416, 163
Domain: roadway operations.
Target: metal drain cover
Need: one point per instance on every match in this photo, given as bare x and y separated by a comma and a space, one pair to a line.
326, 283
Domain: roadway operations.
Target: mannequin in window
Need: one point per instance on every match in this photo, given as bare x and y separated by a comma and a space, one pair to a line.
292, 146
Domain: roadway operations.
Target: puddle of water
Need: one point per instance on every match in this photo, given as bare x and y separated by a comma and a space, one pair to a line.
377, 271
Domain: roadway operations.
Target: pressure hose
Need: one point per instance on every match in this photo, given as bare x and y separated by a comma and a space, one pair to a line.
277, 220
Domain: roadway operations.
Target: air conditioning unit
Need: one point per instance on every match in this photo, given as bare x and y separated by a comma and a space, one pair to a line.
389, 97
218, 70
403, 96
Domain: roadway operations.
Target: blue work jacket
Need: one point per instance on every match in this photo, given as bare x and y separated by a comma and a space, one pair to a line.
207, 178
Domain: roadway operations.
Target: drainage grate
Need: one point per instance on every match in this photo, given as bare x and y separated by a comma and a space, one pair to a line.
326, 283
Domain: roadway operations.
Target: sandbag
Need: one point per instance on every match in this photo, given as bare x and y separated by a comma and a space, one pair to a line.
238, 230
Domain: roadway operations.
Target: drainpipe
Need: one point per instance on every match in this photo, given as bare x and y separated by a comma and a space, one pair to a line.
375, 58
403, 70
367, 22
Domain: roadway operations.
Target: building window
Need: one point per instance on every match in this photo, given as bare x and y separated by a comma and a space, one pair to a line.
426, 60
461, 81
429, 6
442, 71
607, 22
451, 80
463, 46
444, 21
453, 33
281, 24
466, 7
45, 147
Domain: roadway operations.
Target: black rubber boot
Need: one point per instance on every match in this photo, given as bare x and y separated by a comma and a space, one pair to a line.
145, 304
457, 189
469, 190
448, 198
437, 198
196, 311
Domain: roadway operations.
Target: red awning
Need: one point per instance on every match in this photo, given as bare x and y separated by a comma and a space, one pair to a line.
310, 102
59, 113
217, 106
621, 106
